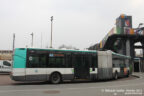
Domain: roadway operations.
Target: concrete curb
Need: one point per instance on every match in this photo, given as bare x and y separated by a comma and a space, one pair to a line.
135, 76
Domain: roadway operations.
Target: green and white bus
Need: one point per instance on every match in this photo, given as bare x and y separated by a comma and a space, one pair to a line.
33, 64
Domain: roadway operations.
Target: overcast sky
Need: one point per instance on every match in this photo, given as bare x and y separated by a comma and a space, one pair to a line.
79, 23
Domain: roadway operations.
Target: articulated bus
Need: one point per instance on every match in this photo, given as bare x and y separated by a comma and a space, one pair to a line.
54, 65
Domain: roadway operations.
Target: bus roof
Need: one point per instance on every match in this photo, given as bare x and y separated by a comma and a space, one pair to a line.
121, 55
67, 50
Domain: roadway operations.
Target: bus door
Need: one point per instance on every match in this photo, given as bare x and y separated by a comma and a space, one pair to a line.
122, 65
81, 67
36, 67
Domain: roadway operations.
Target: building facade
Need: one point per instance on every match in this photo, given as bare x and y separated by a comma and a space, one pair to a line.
6, 54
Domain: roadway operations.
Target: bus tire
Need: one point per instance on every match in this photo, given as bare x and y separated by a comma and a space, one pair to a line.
116, 75
55, 78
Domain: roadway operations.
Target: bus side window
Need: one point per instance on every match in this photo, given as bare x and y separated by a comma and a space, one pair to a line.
51, 62
94, 62
33, 61
56, 61
68, 61
60, 62
42, 61
37, 61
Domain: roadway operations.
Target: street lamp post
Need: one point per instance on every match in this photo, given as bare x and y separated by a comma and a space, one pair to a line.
51, 30
41, 39
32, 39
13, 41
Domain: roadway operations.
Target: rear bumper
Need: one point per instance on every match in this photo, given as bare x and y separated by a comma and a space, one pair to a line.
18, 78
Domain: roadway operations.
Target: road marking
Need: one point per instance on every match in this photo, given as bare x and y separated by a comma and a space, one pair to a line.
30, 90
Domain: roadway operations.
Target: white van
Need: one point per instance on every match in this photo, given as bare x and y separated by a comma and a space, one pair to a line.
5, 66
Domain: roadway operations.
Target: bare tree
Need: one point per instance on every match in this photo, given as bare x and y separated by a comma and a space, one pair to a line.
63, 46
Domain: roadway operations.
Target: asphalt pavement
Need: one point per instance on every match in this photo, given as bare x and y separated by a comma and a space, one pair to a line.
131, 86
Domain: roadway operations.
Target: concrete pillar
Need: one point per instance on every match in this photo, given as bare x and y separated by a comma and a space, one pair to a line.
128, 48
132, 50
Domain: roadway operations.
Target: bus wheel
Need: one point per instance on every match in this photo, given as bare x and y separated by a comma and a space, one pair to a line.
116, 76
55, 78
